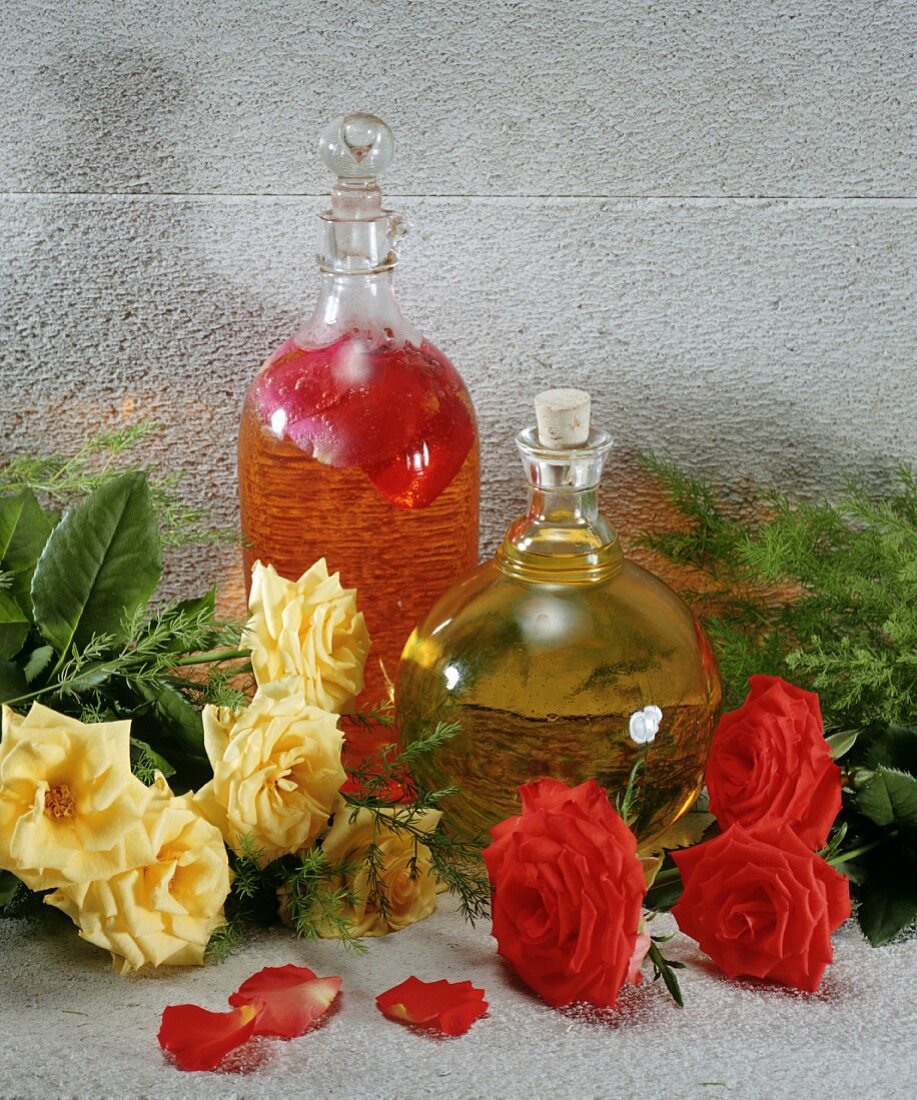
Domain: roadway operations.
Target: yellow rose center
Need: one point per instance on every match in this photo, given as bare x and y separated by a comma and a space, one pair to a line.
282, 782
59, 802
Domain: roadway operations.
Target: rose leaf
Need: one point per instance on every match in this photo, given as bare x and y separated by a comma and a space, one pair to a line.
99, 566
889, 798
24, 530
841, 743
888, 900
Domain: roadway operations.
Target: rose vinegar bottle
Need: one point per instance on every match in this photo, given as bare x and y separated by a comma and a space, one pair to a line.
559, 657
358, 440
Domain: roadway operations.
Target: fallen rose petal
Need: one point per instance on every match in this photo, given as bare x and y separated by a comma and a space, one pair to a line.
450, 1007
291, 999
199, 1039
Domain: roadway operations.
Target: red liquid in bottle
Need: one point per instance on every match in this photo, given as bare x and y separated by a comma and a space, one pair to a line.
364, 452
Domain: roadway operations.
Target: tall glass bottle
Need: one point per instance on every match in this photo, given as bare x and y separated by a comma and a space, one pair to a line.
358, 440
559, 657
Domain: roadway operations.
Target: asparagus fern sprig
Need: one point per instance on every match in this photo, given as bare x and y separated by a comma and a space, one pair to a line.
824, 594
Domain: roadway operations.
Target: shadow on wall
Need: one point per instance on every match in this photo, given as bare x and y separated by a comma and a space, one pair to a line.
154, 331
114, 107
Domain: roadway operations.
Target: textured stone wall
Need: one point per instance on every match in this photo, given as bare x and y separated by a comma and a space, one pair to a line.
704, 213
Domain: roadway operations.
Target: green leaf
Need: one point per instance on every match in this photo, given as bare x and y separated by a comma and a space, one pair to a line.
666, 889
12, 681
896, 747
841, 743
687, 830
24, 530
172, 726
197, 604
9, 887
146, 761
185, 611
14, 626
100, 565
888, 900
37, 662
665, 968
91, 675
889, 798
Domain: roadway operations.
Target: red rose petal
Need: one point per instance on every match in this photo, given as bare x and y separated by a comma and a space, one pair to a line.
337, 402
289, 998
199, 1039
449, 1007
641, 946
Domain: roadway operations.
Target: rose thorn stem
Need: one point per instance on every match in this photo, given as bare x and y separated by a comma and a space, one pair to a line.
213, 656
853, 853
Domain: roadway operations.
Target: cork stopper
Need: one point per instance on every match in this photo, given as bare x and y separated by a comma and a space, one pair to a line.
563, 418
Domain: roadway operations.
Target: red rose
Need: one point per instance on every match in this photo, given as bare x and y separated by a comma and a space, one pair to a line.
568, 888
762, 904
770, 762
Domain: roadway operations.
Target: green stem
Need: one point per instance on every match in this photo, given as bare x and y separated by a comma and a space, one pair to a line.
213, 656
30, 695
854, 853
671, 875
55, 688
667, 974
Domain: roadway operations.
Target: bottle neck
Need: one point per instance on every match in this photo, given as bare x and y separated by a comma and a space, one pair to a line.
363, 305
566, 515
357, 256
563, 538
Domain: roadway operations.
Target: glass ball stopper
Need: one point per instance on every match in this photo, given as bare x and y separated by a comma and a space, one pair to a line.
357, 148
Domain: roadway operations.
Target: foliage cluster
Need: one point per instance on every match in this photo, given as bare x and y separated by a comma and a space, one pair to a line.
825, 595
77, 633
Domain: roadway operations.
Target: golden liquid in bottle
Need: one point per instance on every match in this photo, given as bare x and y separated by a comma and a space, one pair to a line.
544, 677
401, 560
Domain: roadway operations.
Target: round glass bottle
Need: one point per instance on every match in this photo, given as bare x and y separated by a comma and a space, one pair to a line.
358, 440
559, 657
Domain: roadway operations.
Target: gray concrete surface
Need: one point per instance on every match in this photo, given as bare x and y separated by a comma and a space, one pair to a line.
72, 1027
704, 213
520, 97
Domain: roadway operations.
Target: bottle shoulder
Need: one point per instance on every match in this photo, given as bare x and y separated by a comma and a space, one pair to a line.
359, 369
634, 600
503, 642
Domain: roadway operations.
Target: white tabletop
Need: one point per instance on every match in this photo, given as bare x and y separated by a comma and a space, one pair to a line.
70, 1026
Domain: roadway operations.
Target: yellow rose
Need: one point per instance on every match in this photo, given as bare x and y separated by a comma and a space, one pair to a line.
70, 809
404, 870
276, 769
309, 628
164, 911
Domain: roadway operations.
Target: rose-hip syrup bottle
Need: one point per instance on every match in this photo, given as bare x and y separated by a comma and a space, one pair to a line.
559, 657
358, 440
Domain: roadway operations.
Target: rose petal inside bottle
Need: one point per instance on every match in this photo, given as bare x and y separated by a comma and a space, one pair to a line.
398, 412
